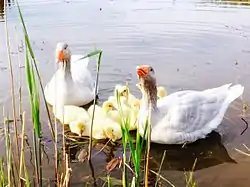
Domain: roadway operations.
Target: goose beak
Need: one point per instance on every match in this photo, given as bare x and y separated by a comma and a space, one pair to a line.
60, 56
82, 130
142, 71
113, 108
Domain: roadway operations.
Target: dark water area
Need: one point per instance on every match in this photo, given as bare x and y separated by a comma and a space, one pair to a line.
192, 44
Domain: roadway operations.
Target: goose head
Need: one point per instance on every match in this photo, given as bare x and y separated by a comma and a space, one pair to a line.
77, 127
113, 133
146, 75
147, 85
108, 106
121, 90
63, 53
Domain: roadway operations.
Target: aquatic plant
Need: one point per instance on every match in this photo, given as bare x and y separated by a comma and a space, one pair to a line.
136, 150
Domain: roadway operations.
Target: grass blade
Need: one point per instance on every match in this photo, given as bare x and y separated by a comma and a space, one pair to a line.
12, 81
35, 110
27, 42
162, 160
96, 90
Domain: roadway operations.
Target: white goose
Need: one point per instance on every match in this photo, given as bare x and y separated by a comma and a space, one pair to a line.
72, 84
184, 116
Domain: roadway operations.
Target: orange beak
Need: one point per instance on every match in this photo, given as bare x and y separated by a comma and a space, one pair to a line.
60, 56
142, 71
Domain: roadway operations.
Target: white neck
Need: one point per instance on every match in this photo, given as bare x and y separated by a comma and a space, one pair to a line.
147, 99
67, 71
144, 101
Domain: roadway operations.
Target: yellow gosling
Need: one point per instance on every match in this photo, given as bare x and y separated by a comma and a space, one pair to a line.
161, 92
98, 110
114, 133
111, 111
77, 127
68, 113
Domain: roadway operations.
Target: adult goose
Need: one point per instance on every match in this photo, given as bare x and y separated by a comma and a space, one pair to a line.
72, 84
184, 116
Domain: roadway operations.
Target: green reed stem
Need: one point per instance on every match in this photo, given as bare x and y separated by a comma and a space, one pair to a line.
162, 160
8, 153
20, 78
35, 109
135, 150
148, 146
27, 41
2, 173
124, 140
96, 90
22, 161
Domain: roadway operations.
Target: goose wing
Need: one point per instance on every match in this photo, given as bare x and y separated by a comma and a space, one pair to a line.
80, 72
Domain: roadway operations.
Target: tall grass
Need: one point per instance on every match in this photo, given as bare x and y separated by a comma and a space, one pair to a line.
136, 150
2, 174
99, 52
12, 80
31, 54
35, 111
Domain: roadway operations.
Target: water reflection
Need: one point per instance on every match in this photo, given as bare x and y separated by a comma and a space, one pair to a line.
9, 3
208, 152
233, 2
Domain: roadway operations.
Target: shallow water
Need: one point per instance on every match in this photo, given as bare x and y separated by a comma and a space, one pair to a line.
192, 44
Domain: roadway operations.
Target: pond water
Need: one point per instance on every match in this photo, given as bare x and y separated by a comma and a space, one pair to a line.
192, 44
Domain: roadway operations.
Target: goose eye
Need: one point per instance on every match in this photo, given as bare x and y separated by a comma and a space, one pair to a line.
65, 47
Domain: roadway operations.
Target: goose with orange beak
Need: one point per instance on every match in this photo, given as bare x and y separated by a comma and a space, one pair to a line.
72, 84
184, 116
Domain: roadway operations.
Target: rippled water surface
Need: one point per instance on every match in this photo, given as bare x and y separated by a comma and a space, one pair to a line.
192, 44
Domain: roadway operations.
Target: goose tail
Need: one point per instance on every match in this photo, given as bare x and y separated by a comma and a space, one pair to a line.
234, 92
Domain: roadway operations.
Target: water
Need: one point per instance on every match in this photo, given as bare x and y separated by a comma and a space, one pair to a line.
192, 44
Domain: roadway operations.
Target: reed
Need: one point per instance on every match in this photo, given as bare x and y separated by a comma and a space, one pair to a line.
31, 53
12, 81
2, 174
98, 52
35, 111
135, 149
189, 176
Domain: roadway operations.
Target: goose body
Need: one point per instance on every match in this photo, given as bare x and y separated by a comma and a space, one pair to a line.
125, 95
68, 113
79, 121
83, 129
185, 116
72, 84
104, 126
122, 112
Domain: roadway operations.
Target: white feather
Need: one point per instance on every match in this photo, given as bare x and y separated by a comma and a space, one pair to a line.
78, 90
186, 116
